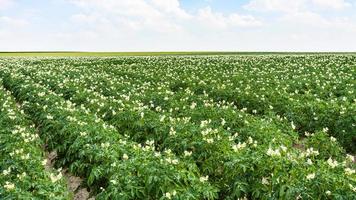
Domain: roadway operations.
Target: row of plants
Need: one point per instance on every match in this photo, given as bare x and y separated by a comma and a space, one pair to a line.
114, 167
309, 91
258, 128
308, 116
24, 174
108, 84
187, 140
314, 92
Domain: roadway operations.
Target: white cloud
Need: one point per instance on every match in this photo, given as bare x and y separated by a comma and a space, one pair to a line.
316, 22
302, 19
171, 6
136, 8
84, 18
164, 25
331, 4
136, 14
12, 22
244, 20
4, 4
295, 5
152, 25
219, 20
275, 5
159, 15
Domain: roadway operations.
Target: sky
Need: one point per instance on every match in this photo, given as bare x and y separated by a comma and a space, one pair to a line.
177, 25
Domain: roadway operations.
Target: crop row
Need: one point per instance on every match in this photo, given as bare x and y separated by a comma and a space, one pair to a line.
218, 155
307, 113
312, 92
208, 147
115, 167
22, 164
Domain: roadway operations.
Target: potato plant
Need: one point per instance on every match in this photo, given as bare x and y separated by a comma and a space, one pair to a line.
22, 162
223, 127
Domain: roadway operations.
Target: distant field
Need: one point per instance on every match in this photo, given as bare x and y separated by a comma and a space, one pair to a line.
108, 54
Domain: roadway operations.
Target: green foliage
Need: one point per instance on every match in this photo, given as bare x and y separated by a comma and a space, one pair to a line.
22, 167
326, 145
196, 127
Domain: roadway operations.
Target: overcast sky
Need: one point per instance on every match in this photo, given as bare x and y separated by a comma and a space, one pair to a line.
178, 25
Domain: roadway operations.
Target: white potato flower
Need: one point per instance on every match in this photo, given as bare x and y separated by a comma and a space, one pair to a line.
187, 153
9, 186
349, 157
265, 181
332, 163
55, 178
272, 152
311, 176
204, 178
293, 126
125, 156
349, 171
333, 139
168, 195
44, 162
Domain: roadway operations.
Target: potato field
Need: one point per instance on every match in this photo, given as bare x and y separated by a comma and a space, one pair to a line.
179, 127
